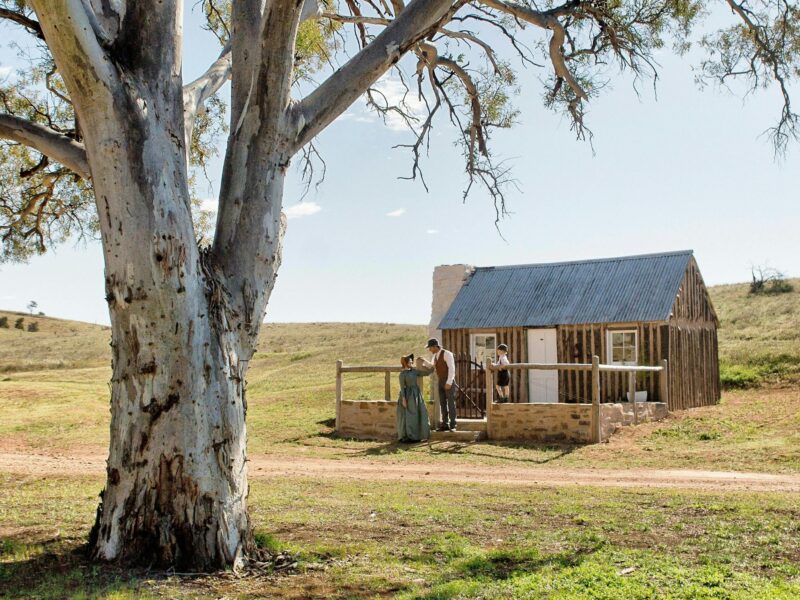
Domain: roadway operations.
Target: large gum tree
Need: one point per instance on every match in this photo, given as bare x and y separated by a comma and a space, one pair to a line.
101, 136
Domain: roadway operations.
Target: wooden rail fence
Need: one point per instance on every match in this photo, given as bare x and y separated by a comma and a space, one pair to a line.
594, 367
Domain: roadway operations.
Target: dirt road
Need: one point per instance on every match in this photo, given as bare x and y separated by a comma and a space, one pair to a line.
266, 467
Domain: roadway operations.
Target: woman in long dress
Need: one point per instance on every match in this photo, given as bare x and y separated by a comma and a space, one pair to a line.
412, 414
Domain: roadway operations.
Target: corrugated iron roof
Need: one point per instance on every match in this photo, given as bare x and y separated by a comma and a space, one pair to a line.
608, 290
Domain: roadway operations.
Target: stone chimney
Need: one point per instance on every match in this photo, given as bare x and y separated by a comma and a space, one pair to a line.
447, 281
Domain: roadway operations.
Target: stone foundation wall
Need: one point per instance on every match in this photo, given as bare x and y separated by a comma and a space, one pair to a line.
369, 419
614, 416
541, 422
568, 423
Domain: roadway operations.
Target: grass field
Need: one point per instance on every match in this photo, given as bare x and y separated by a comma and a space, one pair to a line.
426, 540
291, 390
437, 541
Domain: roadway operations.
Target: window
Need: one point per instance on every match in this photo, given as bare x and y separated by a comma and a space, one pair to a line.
623, 347
483, 346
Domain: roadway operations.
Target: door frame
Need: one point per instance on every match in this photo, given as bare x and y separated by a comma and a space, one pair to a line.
536, 377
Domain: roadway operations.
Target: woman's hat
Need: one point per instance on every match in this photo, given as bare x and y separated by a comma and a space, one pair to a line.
410, 357
502, 347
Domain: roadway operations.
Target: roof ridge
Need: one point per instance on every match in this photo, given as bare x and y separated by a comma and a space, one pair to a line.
590, 260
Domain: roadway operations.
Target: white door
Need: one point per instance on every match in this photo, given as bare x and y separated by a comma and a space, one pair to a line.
542, 385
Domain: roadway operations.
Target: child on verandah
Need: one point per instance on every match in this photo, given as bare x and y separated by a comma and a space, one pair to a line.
503, 376
412, 414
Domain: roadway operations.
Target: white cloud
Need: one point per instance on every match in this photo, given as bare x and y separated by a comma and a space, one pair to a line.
5, 71
432, 231
389, 91
302, 209
209, 204
396, 213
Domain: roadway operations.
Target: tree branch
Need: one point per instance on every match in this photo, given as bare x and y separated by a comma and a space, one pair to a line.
20, 19
196, 93
55, 145
340, 90
546, 20
68, 31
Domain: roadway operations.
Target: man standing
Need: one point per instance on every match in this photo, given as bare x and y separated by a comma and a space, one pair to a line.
445, 366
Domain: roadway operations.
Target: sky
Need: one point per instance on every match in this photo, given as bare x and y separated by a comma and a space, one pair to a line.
688, 169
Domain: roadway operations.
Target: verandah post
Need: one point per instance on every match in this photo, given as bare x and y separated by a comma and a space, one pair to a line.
664, 383
387, 386
338, 392
489, 380
596, 399
632, 392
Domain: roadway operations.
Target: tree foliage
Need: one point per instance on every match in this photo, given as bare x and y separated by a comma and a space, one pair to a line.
462, 74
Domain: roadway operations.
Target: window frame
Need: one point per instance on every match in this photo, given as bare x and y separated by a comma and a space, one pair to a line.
610, 347
472, 345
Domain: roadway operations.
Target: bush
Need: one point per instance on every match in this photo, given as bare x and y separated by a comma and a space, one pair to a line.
768, 281
738, 376
3, 322
18, 323
33, 327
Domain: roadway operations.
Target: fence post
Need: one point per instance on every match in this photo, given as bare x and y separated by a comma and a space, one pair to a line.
632, 392
387, 386
338, 393
489, 381
437, 417
596, 436
664, 383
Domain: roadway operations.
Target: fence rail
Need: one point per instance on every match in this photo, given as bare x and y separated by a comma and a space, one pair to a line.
596, 368
488, 370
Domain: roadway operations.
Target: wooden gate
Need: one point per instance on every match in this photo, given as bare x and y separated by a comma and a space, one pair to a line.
470, 388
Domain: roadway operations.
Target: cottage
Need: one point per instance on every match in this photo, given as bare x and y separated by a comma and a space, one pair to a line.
633, 310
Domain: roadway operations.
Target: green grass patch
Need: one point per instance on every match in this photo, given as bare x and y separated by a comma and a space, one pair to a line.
361, 540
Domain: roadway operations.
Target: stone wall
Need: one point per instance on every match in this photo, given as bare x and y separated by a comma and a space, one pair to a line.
567, 423
541, 422
369, 419
447, 281
614, 416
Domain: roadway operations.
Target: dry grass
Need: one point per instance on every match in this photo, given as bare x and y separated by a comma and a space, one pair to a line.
291, 410
759, 335
58, 344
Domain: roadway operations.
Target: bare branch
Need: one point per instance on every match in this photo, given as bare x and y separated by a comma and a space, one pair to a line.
340, 90
17, 17
546, 20
53, 144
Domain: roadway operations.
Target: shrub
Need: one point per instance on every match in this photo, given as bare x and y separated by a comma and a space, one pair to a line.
768, 281
738, 376
33, 327
3, 322
18, 323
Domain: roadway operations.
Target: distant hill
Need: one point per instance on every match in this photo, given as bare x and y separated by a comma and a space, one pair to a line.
59, 344
759, 337
759, 334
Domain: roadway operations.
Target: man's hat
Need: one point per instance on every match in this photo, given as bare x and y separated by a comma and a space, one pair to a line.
433, 342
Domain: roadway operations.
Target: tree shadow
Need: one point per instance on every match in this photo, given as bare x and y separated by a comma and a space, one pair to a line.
60, 568
555, 452
501, 566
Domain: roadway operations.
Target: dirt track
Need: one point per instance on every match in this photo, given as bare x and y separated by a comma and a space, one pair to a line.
264, 467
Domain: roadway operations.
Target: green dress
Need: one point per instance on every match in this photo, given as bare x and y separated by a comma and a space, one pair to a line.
412, 421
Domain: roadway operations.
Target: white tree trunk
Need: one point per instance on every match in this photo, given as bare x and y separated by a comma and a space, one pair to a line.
176, 489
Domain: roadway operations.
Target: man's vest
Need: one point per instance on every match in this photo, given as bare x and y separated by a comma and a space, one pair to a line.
441, 367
